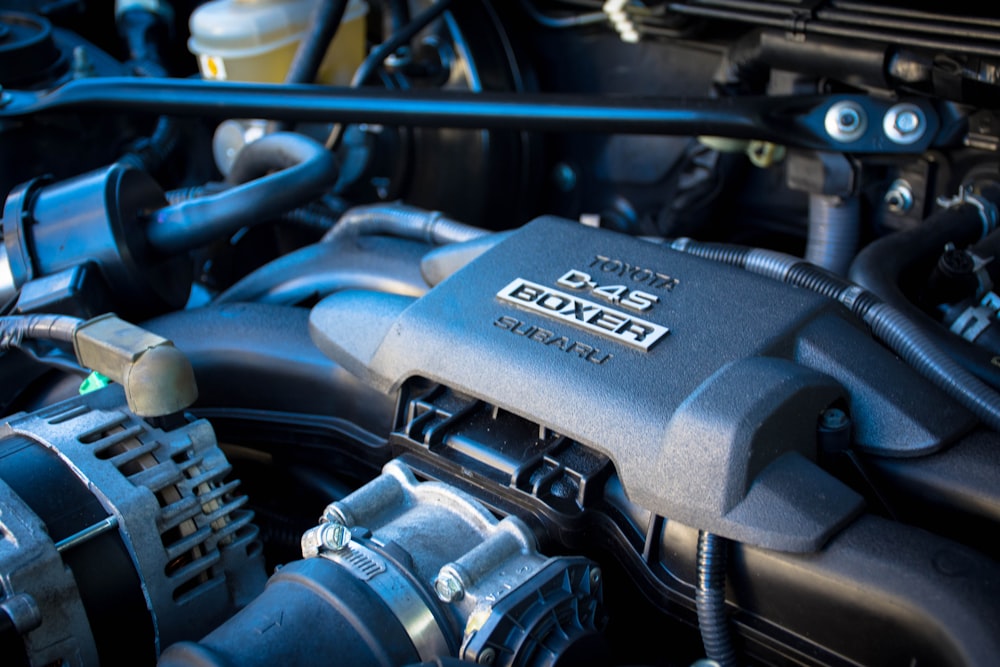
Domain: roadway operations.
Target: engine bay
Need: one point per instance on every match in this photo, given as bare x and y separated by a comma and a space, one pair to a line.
536, 332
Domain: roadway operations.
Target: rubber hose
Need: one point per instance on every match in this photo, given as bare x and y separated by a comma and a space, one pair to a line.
883, 265
710, 600
150, 153
145, 34
324, 21
396, 40
833, 232
307, 170
903, 336
305, 217
323, 24
403, 221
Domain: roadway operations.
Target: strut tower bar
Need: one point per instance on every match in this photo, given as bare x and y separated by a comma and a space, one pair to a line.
798, 121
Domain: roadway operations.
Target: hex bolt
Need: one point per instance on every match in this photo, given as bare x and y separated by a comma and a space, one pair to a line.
899, 197
487, 656
904, 123
907, 122
448, 586
845, 121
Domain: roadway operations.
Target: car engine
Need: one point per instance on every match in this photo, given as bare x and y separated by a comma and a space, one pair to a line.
515, 333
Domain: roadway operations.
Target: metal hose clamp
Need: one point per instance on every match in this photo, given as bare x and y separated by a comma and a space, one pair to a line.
987, 209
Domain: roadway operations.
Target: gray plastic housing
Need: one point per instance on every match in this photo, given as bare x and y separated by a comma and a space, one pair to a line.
713, 424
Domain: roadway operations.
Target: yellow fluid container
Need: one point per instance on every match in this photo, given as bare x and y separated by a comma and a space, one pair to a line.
255, 40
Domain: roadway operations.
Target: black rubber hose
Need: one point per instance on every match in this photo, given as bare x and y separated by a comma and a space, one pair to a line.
324, 21
403, 221
150, 153
306, 171
400, 38
312, 217
885, 264
399, 13
710, 600
323, 24
378, 55
145, 35
904, 337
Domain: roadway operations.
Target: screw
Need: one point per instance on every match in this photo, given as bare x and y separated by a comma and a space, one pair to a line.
834, 419
904, 123
334, 535
899, 197
845, 121
448, 586
487, 657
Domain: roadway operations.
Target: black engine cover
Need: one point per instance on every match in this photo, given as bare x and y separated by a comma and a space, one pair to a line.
722, 374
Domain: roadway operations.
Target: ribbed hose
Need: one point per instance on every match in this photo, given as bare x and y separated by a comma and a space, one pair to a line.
887, 323
403, 221
710, 600
307, 170
833, 232
15, 328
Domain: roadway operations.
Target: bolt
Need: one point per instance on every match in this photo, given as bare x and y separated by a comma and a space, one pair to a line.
899, 197
907, 122
334, 535
845, 121
595, 576
848, 120
487, 657
448, 586
834, 419
904, 123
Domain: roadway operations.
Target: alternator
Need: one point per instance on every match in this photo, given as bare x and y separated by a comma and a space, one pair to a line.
402, 571
116, 538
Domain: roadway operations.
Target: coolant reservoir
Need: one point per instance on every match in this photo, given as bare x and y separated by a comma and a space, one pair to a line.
255, 40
